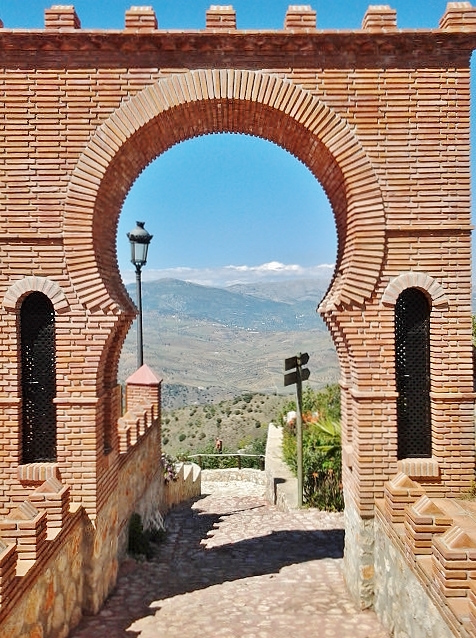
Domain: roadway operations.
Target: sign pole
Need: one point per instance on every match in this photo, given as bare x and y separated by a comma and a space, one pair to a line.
299, 434
297, 376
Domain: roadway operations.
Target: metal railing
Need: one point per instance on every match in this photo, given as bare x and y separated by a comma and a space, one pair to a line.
221, 455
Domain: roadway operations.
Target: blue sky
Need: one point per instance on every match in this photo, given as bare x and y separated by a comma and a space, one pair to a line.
227, 208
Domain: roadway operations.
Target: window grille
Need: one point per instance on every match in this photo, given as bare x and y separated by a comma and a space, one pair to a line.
412, 368
38, 362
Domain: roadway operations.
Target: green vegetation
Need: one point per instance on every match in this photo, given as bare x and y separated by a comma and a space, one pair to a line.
322, 454
194, 429
222, 461
141, 542
241, 423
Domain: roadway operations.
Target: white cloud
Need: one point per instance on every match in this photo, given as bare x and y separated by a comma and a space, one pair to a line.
229, 275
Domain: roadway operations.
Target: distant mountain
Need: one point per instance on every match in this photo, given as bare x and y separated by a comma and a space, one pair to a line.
294, 292
258, 307
210, 344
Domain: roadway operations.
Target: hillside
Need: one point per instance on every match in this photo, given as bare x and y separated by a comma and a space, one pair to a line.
261, 308
212, 344
237, 422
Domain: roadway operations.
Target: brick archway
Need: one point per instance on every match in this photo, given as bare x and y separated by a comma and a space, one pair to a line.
379, 115
195, 103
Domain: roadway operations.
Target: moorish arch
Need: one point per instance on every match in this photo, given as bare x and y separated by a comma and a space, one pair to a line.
200, 102
379, 115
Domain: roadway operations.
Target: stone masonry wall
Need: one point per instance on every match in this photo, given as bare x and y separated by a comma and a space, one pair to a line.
397, 589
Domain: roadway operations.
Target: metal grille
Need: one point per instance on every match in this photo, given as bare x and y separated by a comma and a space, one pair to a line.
38, 379
412, 367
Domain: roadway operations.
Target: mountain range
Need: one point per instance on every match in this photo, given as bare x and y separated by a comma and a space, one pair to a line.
210, 344
261, 307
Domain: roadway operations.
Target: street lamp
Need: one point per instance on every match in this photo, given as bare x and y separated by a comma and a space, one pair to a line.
139, 239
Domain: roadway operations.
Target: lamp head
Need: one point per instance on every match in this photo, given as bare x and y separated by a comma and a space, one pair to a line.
139, 239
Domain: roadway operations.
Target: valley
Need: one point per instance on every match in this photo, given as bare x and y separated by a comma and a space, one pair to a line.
210, 344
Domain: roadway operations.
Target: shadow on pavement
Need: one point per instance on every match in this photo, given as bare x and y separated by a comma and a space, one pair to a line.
193, 566
183, 564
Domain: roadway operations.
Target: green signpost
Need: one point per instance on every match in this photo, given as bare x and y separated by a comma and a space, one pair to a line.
297, 376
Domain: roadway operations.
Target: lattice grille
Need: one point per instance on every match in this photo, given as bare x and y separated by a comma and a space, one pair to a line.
38, 379
412, 367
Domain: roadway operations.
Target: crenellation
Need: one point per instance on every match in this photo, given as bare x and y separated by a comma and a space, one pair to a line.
61, 17
380, 18
459, 16
53, 498
26, 527
299, 17
140, 19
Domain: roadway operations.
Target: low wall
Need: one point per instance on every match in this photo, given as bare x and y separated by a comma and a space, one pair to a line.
188, 485
75, 566
48, 595
401, 600
281, 485
233, 474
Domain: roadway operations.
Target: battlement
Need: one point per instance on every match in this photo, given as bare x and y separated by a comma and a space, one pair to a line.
143, 19
437, 540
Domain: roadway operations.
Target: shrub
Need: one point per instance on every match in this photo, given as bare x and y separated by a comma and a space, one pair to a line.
322, 453
140, 540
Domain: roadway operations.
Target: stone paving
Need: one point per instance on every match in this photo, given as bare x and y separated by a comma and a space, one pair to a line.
234, 566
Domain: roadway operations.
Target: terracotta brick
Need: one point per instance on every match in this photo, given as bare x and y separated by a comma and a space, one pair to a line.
221, 17
380, 116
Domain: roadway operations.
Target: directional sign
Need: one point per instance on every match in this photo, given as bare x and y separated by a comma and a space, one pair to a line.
290, 363
292, 377
303, 359
294, 362
296, 377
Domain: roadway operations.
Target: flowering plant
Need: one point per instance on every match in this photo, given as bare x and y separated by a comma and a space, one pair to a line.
168, 468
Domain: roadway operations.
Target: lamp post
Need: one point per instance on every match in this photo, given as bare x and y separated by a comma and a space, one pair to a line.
139, 239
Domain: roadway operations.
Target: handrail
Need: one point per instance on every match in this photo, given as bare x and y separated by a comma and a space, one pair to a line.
223, 454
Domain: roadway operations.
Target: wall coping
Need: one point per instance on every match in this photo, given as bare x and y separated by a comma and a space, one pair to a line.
281, 485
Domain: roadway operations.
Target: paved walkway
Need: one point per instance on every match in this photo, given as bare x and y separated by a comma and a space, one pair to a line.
234, 566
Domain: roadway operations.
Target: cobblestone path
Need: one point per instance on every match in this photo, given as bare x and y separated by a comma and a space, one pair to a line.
234, 566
